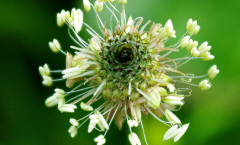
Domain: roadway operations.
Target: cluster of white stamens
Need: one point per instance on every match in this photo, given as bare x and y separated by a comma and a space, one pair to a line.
46, 75
97, 119
98, 4
212, 73
75, 19
58, 98
201, 51
192, 27
132, 123
167, 30
175, 131
73, 130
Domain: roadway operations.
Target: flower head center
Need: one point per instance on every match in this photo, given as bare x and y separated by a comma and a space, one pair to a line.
124, 54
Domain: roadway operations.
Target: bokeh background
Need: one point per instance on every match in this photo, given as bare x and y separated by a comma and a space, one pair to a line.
26, 27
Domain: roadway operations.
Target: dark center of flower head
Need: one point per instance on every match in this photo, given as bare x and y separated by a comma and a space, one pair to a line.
124, 55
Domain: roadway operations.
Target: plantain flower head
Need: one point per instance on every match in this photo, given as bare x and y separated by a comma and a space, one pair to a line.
129, 67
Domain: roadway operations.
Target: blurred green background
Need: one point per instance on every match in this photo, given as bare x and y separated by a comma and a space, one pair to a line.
26, 27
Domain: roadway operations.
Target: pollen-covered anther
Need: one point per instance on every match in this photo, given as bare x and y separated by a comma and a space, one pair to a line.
45, 70
122, 1
191, 44
73, 131
86, 107
47, 81
171, 88
155, 98
203, 49
192, 27
102, 122
194, 52
74, 122
94, 119
132, 123
62, 17
173, 100
98, 6
207, 56
56, 99
129, 24
59, 93
97, 119
51, 101
75, 19
173, 119
212, 72
87, 5
55, 46
184, 41
67, 108
204, 85
175, 132
75, 71
133, 138
100, 140
167, 30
